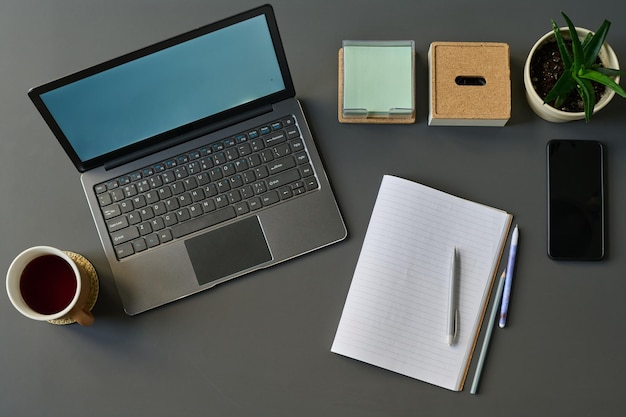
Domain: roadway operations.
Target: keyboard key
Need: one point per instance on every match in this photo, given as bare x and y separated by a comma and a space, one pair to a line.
242, 208
151, 197
139, 245
232, 154
104, 200
116, 224
247, 192
282, 150
311, 183
144, 228
244, 149
275, 138
306, 170
156, 181
296, 145
292, 132
124, 235
170, 219
111, 211
117, 195
267, 155
255, 203
139, 201
221, 201
236, 181
181, 172
283, 178
134, 217
122, 251
302, 157
159, 209
157, 223
182, 215
152, 240
208, 206
143, 186
165, 236
127, 206
177, 187
270, 198
168, 177
281, 164
256, 145
203, 222
285, 192
195, 210
146, 213
261, 172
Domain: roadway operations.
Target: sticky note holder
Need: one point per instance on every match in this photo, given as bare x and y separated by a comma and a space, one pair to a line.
377, 82
469, 84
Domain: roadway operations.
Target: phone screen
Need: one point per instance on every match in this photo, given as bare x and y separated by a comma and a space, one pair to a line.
575, 200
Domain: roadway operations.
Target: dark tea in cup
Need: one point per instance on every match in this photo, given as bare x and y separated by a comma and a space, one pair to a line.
48, 284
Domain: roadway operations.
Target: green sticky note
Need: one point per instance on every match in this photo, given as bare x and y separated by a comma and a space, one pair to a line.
378, 78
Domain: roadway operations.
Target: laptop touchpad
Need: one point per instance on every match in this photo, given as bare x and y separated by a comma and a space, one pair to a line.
228, 250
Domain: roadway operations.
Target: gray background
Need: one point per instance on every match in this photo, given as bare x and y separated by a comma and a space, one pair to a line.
259, 345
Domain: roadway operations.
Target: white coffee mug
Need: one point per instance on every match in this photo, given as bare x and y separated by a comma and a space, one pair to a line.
44, 283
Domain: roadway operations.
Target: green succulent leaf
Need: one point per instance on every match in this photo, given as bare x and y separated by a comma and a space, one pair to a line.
565, 55
587, 39
603, 79
595, 44
577, 48
585, 89
561, 90
609, 71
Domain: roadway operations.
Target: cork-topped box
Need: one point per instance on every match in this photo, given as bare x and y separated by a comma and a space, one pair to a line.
470, 84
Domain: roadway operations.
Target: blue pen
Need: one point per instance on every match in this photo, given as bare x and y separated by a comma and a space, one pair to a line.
509, 277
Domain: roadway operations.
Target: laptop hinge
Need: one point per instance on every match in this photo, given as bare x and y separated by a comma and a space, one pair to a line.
213, 127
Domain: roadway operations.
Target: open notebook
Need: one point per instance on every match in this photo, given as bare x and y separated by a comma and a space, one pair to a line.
395, 315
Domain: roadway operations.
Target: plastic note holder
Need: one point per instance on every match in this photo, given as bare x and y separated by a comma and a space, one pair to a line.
377, 82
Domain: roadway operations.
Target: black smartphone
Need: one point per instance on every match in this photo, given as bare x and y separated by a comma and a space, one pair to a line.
576, 200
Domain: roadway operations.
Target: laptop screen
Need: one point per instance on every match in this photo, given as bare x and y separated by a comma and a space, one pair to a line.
195, 77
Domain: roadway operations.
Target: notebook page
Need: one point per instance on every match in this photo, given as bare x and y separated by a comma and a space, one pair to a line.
395, 315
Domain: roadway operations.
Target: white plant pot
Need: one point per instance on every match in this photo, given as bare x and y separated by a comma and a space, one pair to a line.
546, 111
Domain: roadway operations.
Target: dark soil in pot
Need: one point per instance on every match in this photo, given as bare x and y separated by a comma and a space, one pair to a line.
546, 67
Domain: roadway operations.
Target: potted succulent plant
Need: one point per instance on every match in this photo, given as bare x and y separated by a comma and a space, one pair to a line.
579, 76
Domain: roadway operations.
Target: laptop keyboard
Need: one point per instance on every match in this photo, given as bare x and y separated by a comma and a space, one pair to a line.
207, 186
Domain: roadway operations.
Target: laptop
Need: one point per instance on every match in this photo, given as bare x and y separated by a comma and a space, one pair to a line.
196, 159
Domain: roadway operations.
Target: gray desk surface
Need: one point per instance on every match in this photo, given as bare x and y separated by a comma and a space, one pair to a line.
259, 345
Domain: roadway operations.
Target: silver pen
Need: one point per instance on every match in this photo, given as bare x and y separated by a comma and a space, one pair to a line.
453, 311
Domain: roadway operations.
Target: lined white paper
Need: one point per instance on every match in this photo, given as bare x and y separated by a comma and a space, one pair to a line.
396, 310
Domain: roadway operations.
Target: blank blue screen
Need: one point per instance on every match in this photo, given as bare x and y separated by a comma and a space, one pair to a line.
167, 89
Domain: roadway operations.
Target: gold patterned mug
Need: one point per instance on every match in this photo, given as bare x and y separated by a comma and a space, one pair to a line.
48, 284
